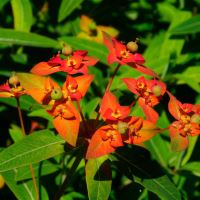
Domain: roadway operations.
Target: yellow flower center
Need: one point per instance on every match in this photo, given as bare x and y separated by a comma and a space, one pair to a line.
124, 54
116, 114
71, 88
185, 118
71, 62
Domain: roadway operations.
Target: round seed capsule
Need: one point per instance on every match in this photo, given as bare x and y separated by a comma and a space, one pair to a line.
56, 94
157, 90
132, 46
13, 80
67, 50
122, 127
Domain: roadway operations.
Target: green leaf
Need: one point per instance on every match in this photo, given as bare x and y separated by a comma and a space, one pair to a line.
10, 36
67, 7
95, 49
22, 191
98, 178
41, 113
40, 169
26, 102
3, 3
34, 148
136, 163
191, 77
190, 149
15, 133
22, 12
191, 25
193, 167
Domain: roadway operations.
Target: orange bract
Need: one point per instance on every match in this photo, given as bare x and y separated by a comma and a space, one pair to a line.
75, 63
149, 92
110, 108
104, 141
187, 124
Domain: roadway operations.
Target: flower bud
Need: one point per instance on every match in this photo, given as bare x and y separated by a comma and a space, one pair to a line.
56, 94
122, 127
195, 118
132, 46
157, 90
67, 50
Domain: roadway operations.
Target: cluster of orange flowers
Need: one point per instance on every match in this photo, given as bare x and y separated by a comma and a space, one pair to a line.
118, 127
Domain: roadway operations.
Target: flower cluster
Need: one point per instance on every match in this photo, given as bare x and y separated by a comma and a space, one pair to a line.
119, 126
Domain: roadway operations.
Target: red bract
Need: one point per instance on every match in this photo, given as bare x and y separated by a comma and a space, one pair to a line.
149, 93
110, 108
77, 62
104, 141
119, 53
187, 124
76, 87
7, 91
138, 130
66, 121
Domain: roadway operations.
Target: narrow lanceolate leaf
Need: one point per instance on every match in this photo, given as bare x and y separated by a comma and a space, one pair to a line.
147, 173
67, 7
23, 190
98, 178
22, 13
10, 36
191, 25
34, 148
40, 169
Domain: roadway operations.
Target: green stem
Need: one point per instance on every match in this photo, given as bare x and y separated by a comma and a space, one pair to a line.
108, 86
112, 78
24, 134
68, 178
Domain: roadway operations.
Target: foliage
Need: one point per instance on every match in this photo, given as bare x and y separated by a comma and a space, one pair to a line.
87, 114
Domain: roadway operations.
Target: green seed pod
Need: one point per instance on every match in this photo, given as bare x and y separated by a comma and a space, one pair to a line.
122, 127
132, 46
157, 90
195, 118
13, 80
67, 50
56, 94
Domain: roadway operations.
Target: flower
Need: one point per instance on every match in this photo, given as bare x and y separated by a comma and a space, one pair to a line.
104, 141
47, 92
149, 94
12, 88
110, 108
187, 122
77, 62
118, 52
77, 87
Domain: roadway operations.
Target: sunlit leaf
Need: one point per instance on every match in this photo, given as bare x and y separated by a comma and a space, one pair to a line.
22, 11
189, 26
98, 178
10, 36
67, 7
34, 148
